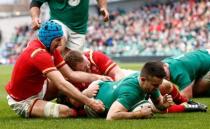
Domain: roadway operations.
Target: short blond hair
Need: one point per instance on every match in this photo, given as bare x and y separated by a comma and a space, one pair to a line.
73, 58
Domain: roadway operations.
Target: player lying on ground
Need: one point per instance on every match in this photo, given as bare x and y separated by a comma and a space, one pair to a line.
99, 63
119, 97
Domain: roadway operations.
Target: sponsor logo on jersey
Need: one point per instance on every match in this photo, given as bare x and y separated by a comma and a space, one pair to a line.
74, 2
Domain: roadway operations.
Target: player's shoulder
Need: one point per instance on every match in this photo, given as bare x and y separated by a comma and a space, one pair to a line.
35, 48
131, 79
37, 51
134, 75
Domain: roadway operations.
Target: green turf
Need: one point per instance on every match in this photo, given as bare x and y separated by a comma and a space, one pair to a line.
9, 120
134, 66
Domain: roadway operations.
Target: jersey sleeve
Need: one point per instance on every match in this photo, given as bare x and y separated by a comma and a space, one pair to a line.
43, 61
183, 81
128, 98
58, 59
103, 62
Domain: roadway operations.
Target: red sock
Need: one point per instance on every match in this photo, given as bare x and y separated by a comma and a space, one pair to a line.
81, 113
175, 109
177, 97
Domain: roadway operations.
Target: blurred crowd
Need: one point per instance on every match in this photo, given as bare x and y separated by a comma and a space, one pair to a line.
151, 30
18, 41
163, 29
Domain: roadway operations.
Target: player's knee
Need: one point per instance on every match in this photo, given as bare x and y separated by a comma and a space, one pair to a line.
56, 110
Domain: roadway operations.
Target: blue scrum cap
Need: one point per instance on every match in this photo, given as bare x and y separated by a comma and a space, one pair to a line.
49, 31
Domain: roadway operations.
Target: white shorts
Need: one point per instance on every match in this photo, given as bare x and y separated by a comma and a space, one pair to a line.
23, 108
75, 41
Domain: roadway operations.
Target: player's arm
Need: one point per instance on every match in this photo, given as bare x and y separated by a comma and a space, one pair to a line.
116, 73
188, 91
117, 111
78, 76
69, 90
103, 9
163, 102
35, 13
166, 87
92, 89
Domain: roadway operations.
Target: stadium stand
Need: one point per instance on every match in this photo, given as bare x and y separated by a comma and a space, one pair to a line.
164, 29
18, 41
151, 30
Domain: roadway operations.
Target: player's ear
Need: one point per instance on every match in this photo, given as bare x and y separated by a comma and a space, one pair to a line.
142, 79
165, 66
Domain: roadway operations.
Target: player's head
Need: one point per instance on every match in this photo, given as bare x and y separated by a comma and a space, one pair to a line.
77, 61
152, 75
49, 31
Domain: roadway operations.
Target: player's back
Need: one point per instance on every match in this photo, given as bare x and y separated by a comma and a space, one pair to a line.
195, 64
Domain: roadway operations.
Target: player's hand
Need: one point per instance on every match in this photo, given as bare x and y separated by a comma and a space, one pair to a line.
96, 105
145, 112
36, 22
91, 91
105, 14
167, 100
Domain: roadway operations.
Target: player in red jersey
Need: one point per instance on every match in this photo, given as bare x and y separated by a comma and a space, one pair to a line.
39, 74
93, 62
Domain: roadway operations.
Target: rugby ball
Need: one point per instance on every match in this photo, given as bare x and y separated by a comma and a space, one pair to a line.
140, 105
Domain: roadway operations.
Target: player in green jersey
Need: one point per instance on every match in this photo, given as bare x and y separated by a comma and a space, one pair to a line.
119, 97
72, 15
187, 72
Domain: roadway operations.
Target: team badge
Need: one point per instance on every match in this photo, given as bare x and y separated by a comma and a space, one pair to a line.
74, 2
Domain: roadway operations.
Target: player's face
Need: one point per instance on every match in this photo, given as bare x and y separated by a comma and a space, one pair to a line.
84, 66
55, 43
150, 84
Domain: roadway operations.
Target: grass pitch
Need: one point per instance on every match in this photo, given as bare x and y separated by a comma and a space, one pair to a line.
9, 120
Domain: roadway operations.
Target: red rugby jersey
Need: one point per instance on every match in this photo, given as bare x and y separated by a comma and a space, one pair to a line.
99, 64
29, 71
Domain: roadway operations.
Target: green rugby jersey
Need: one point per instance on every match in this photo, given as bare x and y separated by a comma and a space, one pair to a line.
188, 67
126, 91
72, 13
